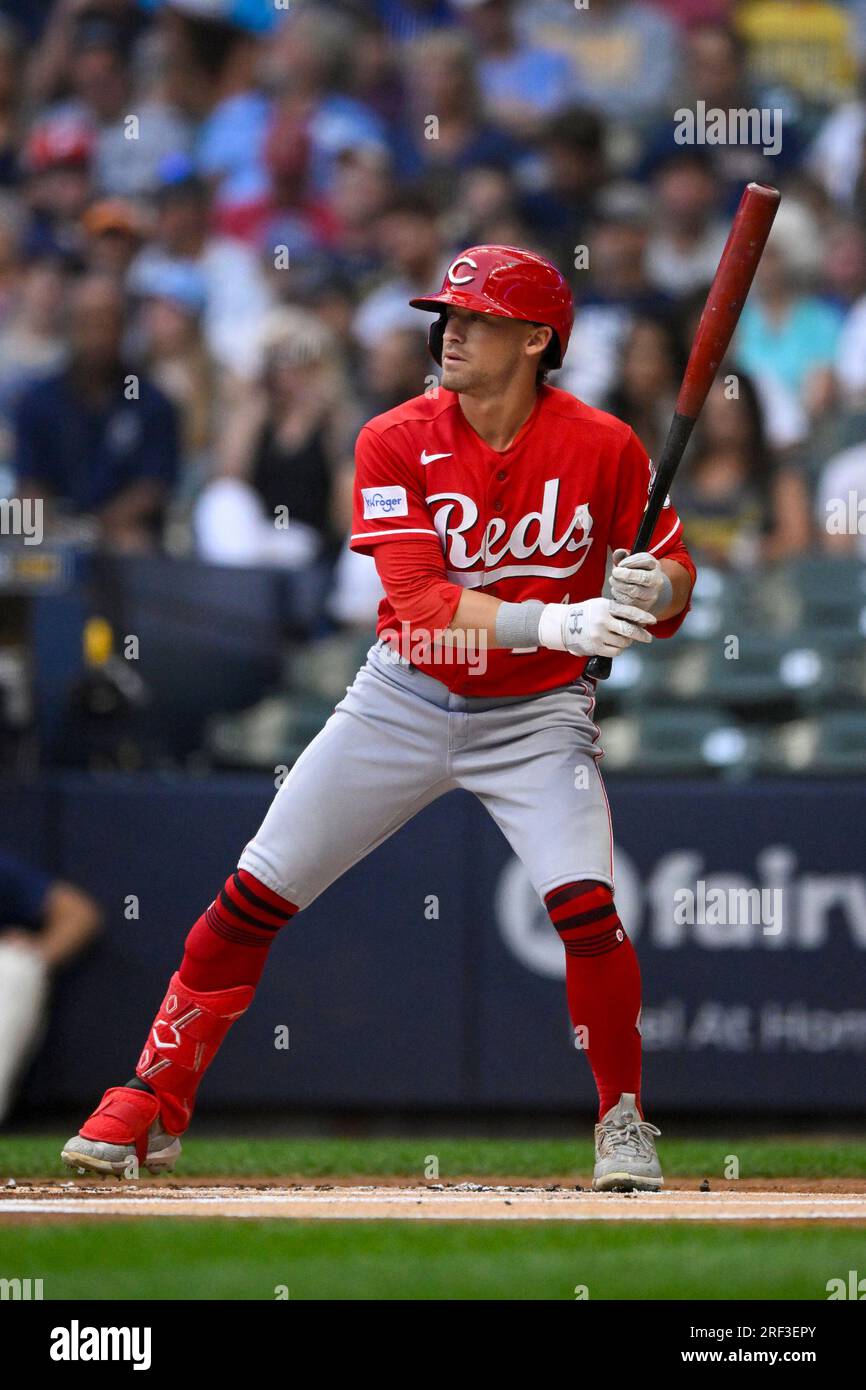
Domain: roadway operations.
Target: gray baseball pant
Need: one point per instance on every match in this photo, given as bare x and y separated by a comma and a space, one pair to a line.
400, 739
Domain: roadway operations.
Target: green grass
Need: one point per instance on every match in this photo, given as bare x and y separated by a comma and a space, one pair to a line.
28, 1157
240, 1259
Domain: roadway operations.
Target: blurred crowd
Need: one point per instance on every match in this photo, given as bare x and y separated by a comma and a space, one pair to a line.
212, 216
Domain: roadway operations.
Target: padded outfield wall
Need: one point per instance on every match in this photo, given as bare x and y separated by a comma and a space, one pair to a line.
430, 976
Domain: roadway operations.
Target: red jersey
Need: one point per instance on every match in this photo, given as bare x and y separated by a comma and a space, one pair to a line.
532, 522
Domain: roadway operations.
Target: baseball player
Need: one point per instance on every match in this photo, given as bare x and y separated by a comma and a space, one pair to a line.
489, 505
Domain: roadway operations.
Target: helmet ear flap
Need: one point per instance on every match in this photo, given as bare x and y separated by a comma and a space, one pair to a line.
435, 339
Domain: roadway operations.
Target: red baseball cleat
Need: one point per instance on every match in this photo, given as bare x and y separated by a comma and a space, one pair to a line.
123, 1135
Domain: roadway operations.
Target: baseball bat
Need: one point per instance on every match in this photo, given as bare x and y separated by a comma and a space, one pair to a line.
731, 284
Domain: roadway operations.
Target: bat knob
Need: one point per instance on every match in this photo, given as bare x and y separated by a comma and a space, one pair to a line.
598, 668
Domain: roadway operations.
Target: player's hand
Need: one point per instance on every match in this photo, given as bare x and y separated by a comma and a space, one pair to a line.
636, 579
596, 627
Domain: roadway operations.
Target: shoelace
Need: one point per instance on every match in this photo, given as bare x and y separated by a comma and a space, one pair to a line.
628, 1134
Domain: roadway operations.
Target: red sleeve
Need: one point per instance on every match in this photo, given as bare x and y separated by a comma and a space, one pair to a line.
388, 501
633, 484
413, 576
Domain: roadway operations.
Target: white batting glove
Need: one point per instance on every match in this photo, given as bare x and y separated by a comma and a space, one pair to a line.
638, 579
596, 627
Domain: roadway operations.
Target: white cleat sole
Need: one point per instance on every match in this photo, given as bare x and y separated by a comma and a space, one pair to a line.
627, 1182
121, 1165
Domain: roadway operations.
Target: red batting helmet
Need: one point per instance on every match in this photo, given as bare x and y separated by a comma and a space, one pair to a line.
510, 283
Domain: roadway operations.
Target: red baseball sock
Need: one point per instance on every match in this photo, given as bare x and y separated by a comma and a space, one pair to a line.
229, 943
602, 978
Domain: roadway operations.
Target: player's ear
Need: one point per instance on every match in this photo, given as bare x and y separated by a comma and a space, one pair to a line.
538, 340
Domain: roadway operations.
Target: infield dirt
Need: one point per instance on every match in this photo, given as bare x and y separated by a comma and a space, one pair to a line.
752, 1201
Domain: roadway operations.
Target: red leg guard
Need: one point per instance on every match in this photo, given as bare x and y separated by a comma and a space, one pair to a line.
224, 957
182, 1043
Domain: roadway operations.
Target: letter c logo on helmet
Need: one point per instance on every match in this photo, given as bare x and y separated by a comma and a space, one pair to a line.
510, 283
461, 279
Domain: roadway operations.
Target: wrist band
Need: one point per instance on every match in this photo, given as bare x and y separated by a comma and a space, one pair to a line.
665, 596
517, 623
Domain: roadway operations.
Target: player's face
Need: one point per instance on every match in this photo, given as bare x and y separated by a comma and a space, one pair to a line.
481, 353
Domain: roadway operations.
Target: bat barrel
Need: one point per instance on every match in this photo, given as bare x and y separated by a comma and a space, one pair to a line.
731, 285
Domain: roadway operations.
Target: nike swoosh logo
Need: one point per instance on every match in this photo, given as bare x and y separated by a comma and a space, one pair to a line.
428, 458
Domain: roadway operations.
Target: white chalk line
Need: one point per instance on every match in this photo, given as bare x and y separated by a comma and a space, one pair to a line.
420, 1203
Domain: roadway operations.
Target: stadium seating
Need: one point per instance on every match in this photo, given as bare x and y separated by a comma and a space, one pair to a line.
832, 744
688, 742
829, 595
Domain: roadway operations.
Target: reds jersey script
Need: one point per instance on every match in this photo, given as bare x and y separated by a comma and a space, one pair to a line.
534, 521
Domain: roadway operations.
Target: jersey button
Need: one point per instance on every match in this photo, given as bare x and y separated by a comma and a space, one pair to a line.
501, 475
497, 505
